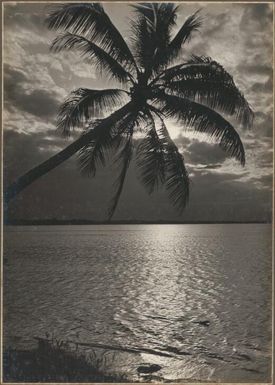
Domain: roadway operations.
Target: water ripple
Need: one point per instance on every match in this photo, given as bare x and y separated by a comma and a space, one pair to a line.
199, 293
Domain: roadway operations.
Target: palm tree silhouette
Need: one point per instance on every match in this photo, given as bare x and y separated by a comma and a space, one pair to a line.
153, 86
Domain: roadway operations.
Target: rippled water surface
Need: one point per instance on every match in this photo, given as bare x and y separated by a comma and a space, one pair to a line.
147, 287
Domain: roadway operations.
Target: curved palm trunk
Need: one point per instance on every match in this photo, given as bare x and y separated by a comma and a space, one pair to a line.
43, 168
25, 180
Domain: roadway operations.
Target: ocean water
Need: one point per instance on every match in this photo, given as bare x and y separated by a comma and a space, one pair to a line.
147, 287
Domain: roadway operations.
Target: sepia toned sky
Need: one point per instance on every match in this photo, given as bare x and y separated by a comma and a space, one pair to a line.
36, 81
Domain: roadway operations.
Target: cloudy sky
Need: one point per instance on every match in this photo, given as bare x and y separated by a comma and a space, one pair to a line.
239, 36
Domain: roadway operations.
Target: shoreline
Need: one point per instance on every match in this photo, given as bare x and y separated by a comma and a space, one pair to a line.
104, 223
56, 361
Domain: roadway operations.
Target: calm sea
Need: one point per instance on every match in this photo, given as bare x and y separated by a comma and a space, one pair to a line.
147, 287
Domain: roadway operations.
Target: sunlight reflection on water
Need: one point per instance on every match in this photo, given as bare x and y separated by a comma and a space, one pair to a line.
148, 286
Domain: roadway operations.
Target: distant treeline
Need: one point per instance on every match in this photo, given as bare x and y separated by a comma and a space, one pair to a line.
51, 222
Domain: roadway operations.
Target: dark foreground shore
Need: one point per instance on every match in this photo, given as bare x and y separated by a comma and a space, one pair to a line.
55, 362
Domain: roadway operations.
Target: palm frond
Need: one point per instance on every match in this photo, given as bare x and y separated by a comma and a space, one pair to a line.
84, 104
133, 120
93, 153
207, 81
174, 72
124, 158
103, 61
192, 24
77, 17
91, 20
197, 67
159, 162
152, 29
147, 11
217, 94
150, 159
167, 16
176, 175
110, 136
160, 17
205, 120
177, 181
143, 44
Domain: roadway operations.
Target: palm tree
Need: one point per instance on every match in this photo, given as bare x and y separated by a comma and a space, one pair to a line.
152, 86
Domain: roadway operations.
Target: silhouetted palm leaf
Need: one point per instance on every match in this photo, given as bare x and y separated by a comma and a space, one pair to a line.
176, 175
159, 162
224, 97
152, 29
142, 43
90, 20
205, 120
177, 180
150, 159
103, 61
206, 81
84, 103
148, 12
109, 136
192, 24
196, 67
124, 157
160, 17
167, 50
93, 153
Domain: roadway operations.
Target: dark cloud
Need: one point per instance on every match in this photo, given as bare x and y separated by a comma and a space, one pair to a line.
23, 151
263, 125
215, 25
266, 87
258, 69
259, 15
198, 152
266, 181
39, 102
267, 161
26, 16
